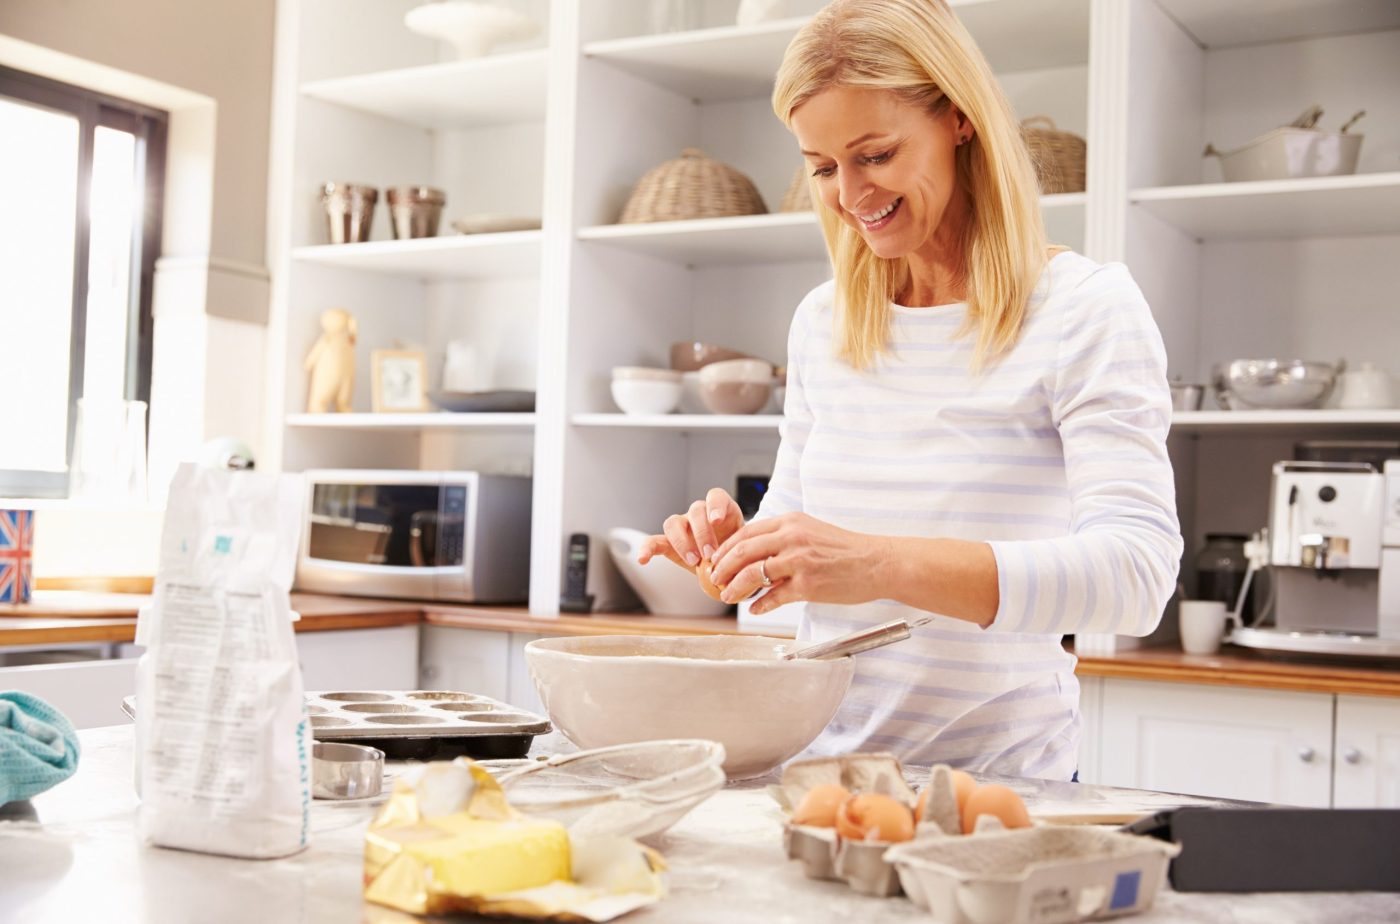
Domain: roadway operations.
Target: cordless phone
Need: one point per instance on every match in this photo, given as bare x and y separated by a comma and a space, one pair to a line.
576, 598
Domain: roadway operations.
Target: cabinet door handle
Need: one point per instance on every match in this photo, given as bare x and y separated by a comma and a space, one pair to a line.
1352, 755
1306, 754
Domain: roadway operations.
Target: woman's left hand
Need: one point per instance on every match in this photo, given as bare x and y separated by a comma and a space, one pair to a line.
805, 559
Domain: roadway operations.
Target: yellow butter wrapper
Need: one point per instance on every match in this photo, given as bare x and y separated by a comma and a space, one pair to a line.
448, 841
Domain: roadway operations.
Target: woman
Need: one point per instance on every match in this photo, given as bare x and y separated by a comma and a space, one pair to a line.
975, 426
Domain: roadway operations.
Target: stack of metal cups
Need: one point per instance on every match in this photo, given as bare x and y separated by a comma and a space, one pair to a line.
349, 211
415, 210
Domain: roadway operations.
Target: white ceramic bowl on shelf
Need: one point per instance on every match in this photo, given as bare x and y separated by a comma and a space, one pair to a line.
640, 390
617, 689
471, 28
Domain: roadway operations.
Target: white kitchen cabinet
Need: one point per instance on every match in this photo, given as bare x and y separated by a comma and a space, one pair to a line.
1368, 753
359, 659
469, 660
522, 689
1090, 729
1261, 745
479, 661
89, 693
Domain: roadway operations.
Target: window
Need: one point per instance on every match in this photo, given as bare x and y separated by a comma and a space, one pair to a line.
81, 178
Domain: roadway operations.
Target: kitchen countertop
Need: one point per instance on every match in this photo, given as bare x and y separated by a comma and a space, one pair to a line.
80, 860
59, 617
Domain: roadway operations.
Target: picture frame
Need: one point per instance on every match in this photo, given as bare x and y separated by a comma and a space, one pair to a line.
398, 381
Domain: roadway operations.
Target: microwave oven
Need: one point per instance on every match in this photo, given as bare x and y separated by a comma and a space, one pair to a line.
458, 536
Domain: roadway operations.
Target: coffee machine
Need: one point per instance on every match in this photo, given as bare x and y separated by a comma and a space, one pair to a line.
1333, 554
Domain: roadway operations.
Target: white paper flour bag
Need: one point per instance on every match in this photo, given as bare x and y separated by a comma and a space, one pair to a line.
223, 746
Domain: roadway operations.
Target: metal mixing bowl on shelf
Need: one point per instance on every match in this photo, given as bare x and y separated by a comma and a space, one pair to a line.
1274, 384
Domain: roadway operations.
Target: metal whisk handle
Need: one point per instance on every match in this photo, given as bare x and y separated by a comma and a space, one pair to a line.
853, 643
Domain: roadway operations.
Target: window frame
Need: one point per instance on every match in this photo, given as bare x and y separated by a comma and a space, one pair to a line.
150, 126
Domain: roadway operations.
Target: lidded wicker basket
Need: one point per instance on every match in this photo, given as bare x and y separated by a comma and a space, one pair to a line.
692, 186
798, 197
1058, 156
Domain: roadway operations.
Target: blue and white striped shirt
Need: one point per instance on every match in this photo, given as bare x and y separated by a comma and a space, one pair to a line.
1056, 456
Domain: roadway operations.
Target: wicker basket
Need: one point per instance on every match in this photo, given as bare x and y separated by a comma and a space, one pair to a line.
1058, 156
798, 197
692, 186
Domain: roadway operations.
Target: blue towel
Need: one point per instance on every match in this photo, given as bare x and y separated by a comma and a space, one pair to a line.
38, 746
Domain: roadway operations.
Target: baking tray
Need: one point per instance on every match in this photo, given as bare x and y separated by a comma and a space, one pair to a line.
424, 724
419, 724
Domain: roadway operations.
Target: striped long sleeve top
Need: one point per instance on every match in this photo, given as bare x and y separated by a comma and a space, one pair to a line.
1055, 456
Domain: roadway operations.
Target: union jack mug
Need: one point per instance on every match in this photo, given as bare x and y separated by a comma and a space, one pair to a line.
16, 556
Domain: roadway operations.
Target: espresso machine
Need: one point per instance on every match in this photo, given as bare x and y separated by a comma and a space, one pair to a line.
1332, 550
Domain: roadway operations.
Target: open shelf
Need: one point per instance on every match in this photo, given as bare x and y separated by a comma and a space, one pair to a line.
1253, 22
778, 237
427, 420
722, 423
461, 94
740, 61
459, 256
1281, 422
1366, 203
704, 241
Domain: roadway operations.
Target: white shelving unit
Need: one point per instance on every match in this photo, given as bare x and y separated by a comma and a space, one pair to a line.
427, 420
1287, 423
454, 95
1279, 209
564, 127
716, 423
465, 256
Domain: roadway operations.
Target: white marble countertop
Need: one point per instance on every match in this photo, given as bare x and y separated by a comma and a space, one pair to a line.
80, 861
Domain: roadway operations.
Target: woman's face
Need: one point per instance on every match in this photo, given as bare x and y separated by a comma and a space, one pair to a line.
884, 165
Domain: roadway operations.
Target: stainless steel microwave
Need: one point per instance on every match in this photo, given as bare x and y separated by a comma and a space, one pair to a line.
460, 536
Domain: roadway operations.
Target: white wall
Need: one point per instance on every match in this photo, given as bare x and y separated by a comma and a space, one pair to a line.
210, 66
220, 50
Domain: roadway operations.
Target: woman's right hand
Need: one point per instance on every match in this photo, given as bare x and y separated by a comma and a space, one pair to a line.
696, 534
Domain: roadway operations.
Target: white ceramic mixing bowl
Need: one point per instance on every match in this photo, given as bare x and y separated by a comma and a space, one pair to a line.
617, 689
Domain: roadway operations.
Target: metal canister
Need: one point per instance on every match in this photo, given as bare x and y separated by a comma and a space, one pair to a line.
349, 211
415, 210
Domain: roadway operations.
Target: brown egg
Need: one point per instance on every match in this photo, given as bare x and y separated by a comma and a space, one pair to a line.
818, 807
702, 571
963, 785
992, 799
874, 817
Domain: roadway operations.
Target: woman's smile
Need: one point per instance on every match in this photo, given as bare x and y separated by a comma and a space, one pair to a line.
880, 218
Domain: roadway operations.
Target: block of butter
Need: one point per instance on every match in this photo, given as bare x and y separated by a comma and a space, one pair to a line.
447, 841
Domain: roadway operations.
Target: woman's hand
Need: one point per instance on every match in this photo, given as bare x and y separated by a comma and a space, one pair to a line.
697, 533
806, 559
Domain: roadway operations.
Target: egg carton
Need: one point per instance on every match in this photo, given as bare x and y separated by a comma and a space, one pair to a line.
1047, 874
424, 724
1044, 874
862, 864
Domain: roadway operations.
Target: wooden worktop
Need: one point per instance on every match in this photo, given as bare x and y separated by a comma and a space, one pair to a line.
61, 617
65, 617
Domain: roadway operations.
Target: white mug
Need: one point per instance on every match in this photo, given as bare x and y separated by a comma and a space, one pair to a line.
1365, 388
1202, 625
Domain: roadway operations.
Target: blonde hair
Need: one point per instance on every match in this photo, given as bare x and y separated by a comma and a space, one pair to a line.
918, 49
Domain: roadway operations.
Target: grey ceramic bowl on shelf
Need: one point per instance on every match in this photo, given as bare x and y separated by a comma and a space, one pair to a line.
1274, 384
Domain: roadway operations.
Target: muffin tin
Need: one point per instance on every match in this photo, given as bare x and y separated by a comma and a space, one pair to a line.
424, 724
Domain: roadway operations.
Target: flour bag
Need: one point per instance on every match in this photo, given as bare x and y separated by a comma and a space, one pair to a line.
223, 747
